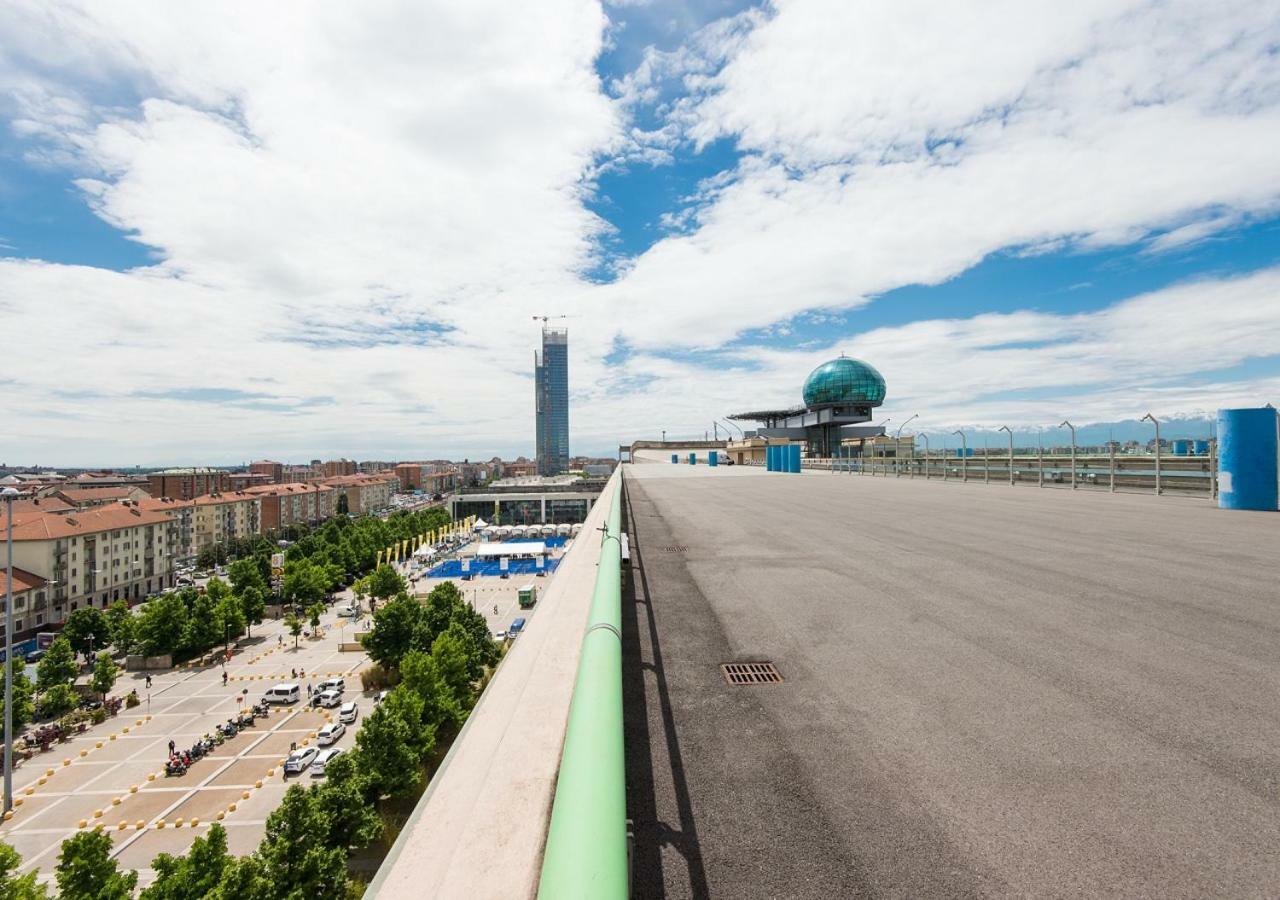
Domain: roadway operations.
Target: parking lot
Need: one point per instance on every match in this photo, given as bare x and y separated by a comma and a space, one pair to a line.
113, 775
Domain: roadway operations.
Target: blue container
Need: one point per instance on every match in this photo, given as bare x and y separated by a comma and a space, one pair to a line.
768, 457
964, 451
693, 459
1181, 448
793, 458
713, 458
1202, 448
1248, 457
675, 459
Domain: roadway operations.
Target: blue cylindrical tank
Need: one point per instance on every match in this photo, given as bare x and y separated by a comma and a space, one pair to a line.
675, 459
793, 458
1202, 448
1248, 459
1181, 448
693, 459
713, 458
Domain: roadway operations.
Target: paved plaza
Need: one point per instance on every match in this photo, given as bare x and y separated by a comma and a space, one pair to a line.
987, 690
113, 776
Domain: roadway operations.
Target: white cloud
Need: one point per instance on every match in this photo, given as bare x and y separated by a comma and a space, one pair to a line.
328, 186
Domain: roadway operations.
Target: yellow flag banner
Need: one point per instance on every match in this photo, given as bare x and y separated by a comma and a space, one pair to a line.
379, 557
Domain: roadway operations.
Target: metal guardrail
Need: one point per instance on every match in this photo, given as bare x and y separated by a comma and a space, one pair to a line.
587, 843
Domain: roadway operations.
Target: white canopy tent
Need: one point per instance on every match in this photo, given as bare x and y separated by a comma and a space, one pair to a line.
512, 548
425, 551
480, 525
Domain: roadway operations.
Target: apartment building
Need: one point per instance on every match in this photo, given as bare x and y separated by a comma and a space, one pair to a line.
364, 493
239, 481
186, 484
85, 497
91, 557
268, 467
338, 467
181, 530
223, 516
30, 603
291, 504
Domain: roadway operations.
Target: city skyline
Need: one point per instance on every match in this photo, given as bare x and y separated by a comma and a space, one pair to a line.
1017, 213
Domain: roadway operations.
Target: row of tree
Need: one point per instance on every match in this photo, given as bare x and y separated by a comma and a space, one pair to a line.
54, 692
437, 652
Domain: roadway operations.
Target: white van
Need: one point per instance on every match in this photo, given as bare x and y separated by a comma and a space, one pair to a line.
288, 692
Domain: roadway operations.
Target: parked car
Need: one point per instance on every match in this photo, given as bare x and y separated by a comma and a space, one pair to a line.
330, 699
501, 635
299, 760
347, 610
323, 758
35, 656
330, 734
380, 696
333, 684
287, 692
349, 712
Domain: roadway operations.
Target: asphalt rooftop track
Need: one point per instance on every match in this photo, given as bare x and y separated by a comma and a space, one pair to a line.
989, 690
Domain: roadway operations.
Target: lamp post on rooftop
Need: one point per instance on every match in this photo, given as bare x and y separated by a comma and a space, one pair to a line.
964, 455
9, 494
897, 445
1010, 430
1066, 424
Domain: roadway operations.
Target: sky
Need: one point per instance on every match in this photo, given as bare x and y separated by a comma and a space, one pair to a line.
297, 230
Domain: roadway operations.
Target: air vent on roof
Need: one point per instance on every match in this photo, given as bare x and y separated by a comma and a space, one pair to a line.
751, 673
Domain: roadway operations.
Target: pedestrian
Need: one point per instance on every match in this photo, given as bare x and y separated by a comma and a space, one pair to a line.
308, 691
171, 746
224, 677
148, 682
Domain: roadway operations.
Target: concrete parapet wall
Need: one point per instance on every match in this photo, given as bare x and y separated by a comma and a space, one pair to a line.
479, 830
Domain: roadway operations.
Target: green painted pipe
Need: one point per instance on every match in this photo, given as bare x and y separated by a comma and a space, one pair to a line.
586, 855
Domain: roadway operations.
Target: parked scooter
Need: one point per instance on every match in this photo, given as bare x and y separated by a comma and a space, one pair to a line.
175, 766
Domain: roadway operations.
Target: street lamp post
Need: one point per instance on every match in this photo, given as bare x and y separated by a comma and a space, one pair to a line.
926, 455
1010, 430
1152, 419
964, 456
897, 445
9, 494
1066, 424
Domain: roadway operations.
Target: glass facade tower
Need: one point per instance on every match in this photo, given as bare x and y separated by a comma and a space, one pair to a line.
551, 401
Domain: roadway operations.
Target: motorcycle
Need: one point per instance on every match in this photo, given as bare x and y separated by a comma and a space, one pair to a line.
229, 729
246, 719
262, 710
175, 766
197, 750
218, 736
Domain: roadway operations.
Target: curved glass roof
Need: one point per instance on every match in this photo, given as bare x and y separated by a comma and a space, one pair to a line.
844, 381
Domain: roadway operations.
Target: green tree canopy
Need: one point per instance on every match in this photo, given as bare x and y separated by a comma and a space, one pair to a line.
294, 624
58, 700
87, 630
391, 636
86, 870
230, 616
195, 875
105, 672
58, 666
387, 755
122, 626
343, 799
162, 622
202, 628
246, 573
384, 583
14, 886
217, 589
293, 850
253, 603
23, 706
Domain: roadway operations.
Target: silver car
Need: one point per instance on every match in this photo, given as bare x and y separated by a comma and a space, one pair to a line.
299, 760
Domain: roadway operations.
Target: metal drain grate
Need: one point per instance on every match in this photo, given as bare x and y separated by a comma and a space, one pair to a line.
751, 673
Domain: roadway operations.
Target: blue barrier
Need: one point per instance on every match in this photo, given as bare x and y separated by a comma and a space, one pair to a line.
693, 459
713, 458
452, 568
1247, 459
675, 459
793, 458
771, 458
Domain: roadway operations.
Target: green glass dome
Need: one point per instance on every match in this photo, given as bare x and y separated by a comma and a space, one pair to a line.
844, 382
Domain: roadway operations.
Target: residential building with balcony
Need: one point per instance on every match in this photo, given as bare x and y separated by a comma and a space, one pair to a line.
268, 467
223, 516
336, 467
186, 484
293, 504
365, 494
30, 603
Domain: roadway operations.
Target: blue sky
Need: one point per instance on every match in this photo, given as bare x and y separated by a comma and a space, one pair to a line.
1018, 214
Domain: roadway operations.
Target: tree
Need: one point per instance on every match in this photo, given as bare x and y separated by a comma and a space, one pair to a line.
244, 878
58, 700
87, 629
314, 611
245, 574
217, 589
58, 666
195, 875
384, 583
452, 654
421, 674
343, 507
202, 630
386, 751
304, 582
253, 603
162, 622
122, 626
23, 706
105, 672
294, 624
353, 820
14, 886
293, 850
86, 870
391, 635
230, 616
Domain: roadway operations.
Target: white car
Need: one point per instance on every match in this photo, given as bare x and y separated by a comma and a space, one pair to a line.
500, 636
329, 699
322, 759
333, 684
349, 712
330, 733
299, 760
348, 611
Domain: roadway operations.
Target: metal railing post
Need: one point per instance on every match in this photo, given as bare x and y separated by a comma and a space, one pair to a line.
964, 456
926, 455
1152, 419
1111, 448
1010, 430
1067, 424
